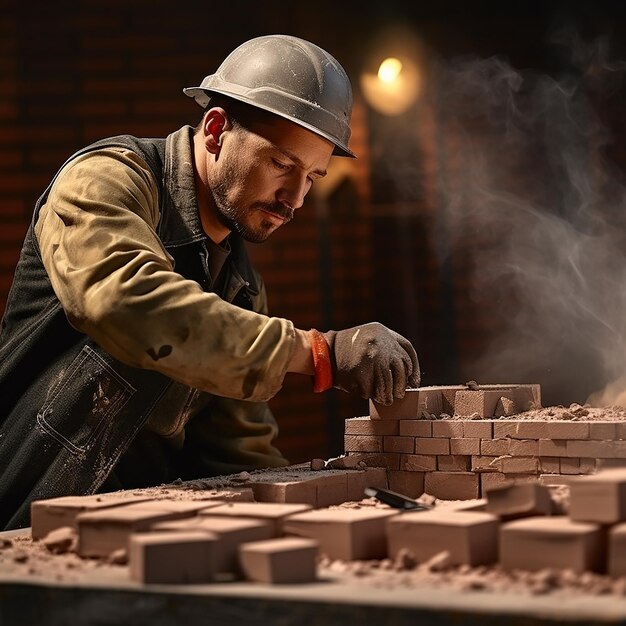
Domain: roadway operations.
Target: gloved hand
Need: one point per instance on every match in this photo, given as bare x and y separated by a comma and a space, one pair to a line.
373, 361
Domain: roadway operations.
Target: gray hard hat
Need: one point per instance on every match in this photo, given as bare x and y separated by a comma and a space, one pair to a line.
290, 77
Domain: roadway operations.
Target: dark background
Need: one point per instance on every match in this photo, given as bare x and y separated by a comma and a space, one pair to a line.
382, 240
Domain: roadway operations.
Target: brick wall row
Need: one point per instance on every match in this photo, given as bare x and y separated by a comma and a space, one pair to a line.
463, 458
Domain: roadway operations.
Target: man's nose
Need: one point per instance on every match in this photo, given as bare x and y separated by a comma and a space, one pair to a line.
293, 192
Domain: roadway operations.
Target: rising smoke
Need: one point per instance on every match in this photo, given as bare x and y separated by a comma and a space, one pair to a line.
531, 190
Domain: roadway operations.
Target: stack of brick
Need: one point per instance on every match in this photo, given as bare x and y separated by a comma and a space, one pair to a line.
456, 443
592, 537
196, 540
518, 526
201, 542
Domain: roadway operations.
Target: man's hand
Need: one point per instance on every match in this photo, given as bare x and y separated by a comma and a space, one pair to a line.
373, 361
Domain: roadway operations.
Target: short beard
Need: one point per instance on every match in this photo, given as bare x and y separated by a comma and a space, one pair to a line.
233, 217
231, 220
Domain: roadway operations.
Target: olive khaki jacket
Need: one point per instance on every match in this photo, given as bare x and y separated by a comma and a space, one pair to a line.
118, 365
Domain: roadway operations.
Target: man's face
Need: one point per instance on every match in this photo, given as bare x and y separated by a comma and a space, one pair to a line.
262, 176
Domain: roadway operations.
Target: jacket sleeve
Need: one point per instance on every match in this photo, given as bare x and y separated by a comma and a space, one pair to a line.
235, 435
117, 284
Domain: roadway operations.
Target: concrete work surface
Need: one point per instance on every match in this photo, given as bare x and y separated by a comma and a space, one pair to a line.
103, 594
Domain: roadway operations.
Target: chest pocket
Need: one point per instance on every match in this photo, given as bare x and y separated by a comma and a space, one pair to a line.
78, 407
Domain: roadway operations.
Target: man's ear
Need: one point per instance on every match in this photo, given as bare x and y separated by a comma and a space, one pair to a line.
214, 125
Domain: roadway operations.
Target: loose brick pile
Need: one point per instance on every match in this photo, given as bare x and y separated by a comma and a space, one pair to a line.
454, 442
216, 529
171, 541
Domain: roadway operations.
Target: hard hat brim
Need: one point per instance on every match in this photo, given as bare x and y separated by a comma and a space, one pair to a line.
202, 96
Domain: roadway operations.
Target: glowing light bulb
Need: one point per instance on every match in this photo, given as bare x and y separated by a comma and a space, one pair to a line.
394, 88
389, 70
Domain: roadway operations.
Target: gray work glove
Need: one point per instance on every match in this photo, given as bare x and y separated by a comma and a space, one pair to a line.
373, 361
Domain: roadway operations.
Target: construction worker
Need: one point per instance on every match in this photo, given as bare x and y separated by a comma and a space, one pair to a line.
136, 346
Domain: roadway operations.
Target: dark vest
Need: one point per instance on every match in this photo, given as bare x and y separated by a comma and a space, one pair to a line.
68, 410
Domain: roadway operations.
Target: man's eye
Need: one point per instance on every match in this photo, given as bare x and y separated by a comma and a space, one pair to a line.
279, 165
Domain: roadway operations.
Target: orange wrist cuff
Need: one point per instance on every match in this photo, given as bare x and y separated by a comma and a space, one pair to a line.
321, 362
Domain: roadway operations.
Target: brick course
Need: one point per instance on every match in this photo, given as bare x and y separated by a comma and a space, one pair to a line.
513, 449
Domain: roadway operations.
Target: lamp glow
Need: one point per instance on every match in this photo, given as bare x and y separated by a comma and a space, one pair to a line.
394, 88
389, 70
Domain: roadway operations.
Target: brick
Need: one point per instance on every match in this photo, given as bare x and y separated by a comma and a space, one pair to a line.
469, 537
504, 429
232, 532
185, 557
523, 447
292, 492
342, 462
570, 465
48, 515
410, 484
530, 430
492, 480
390, 460
448, 396
555, 542
432, 445
368, 426
599, 498
494, 447
482, 402
549, 464
452, 485
602, 431
399, 444
448, 428
347, 534
331, 489
588, 466
465, 446
553, 480
280, 561
619, 449
547, 447
454, 463
482, 429
505, 407
102, 532
519, 465
418, 462
521, 500
595, 449
616, 562
363, 443
525, 396
415, 428
567, 430
485, 464
358, 481
477, 505
603, 464
415, 404
485, 400
620, 430
271, 512
430, 402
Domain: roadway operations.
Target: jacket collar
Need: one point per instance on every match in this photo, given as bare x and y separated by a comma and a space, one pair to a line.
180, 219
